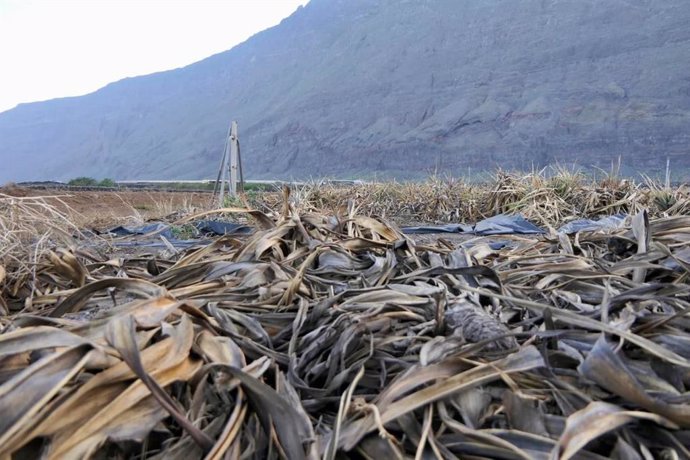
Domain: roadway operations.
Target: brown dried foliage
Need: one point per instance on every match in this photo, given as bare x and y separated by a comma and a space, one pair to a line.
545, 197
335, 336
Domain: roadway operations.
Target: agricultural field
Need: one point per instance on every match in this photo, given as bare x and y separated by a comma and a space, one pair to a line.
327, 331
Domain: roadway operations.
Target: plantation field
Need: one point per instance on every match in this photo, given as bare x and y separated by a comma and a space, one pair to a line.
326, 332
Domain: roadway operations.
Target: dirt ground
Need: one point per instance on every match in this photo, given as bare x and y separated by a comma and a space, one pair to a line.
100, 210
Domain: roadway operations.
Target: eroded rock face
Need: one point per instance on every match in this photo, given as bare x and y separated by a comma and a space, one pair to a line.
391, 87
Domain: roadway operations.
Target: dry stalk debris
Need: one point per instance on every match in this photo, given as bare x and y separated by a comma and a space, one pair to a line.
335, 336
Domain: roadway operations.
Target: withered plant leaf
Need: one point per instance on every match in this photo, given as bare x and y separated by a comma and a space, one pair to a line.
121, 335
276, 414
605, 368
595, 420
25, 394
133, 286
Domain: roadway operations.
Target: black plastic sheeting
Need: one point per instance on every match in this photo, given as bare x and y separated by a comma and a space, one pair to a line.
158, 227
182, 244
450, 228
498, 225
588, 225
203, 226
155, 229
222, 228
501, 224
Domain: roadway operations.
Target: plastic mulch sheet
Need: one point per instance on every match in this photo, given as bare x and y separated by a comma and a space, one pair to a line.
588, 225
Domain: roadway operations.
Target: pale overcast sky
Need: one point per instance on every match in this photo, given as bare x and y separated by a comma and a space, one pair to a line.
56, 48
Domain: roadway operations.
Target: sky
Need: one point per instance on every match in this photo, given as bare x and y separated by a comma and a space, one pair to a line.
58, 48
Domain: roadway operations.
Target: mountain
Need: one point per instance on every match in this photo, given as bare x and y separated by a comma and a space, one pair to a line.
358, 88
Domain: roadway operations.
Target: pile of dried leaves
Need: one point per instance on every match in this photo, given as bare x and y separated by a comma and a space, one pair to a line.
337, 337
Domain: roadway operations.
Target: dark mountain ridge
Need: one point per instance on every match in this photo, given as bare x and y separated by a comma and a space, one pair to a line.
357, 88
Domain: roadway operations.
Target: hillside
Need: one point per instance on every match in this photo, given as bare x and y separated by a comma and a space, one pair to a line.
357, 88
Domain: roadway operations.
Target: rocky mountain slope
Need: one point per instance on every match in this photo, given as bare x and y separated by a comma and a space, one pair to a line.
363, 88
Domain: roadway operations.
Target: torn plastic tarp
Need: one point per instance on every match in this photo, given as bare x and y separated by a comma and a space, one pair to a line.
451, 228
182, 244
222, 228
503, 224
158, 227
588, 225
203, 226
498, 225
